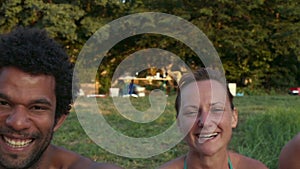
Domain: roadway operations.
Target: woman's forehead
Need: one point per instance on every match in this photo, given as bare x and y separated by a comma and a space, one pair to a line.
205, 87
209, 91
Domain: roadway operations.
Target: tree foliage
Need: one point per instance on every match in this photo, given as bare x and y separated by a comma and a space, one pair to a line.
257, 40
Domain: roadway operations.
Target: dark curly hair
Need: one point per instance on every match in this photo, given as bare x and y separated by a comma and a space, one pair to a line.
33, 51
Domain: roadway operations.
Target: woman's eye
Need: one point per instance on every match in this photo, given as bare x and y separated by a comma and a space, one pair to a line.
217, 110
191, 113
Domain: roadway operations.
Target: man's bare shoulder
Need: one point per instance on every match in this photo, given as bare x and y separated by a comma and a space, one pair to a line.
289, 155
71, 160
243, 162
177, 163
95, 165
89, 164
293, 146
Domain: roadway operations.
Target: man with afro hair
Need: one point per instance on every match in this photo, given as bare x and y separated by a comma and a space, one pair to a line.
35, 99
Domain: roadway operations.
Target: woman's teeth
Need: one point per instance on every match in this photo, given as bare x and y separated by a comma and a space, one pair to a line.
208, 135
17, 143
205, 137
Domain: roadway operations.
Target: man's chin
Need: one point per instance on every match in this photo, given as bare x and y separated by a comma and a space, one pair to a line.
30, 160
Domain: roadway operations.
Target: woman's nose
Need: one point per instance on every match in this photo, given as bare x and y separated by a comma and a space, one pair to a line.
202, 119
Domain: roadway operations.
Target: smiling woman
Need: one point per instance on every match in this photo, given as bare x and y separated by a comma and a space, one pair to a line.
205, 112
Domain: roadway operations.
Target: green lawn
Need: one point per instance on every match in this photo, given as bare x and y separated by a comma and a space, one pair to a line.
266, 123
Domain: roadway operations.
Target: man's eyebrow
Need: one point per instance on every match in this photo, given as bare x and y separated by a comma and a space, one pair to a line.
37, 101
3, 96
41, 101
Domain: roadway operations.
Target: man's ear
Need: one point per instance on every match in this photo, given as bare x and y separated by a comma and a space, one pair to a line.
234, 118
60, 121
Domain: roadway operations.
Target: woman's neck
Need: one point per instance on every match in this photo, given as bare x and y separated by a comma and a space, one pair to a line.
196, 160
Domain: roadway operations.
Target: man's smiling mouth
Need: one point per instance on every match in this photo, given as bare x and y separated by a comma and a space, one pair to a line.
16, 142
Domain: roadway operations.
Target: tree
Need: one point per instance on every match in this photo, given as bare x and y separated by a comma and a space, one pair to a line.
256, 40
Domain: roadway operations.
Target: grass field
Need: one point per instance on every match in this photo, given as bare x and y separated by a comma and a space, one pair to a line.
266, 123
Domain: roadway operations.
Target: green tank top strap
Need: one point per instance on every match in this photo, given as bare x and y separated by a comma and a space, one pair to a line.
185, 163
229, 163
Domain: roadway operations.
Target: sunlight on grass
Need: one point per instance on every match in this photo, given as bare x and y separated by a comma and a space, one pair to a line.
266, 123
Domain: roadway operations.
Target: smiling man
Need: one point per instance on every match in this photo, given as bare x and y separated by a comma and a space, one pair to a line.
35, 99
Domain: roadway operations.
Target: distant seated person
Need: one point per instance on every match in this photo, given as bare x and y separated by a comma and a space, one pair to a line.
290, 154
132, 89
205, 111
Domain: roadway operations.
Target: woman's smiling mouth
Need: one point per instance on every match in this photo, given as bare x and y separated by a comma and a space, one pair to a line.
205, 137
212, 135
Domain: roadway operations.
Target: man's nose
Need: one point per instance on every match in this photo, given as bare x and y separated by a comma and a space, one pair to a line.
18, 119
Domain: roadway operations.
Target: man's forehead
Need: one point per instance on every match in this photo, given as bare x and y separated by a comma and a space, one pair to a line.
17, 70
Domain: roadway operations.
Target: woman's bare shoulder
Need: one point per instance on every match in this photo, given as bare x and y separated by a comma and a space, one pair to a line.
177, 163
242, 162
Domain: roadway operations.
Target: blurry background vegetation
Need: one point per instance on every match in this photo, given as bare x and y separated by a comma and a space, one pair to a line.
258, 41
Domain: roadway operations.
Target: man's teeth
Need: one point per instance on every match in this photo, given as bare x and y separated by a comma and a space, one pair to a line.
208, 135
17, 143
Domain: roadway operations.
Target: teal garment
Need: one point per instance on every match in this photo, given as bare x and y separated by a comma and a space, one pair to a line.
229, 163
